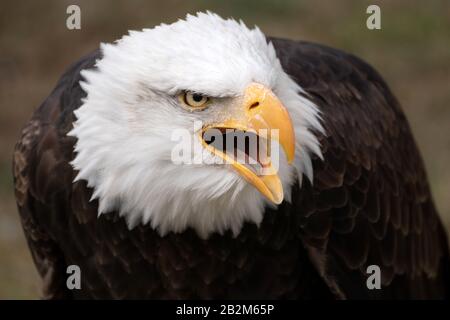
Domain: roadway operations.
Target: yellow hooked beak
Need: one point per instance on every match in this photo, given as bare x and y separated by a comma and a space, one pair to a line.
262, 112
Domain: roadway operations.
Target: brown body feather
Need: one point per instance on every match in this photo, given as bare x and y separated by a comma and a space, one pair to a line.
370, 203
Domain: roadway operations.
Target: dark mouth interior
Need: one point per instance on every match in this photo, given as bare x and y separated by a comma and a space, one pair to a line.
246, 147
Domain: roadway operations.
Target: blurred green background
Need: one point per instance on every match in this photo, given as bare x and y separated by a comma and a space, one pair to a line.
412, 52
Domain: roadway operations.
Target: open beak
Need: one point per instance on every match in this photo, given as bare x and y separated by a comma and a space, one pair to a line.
263, 115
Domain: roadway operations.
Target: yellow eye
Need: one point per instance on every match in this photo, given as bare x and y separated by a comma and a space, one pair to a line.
194, 100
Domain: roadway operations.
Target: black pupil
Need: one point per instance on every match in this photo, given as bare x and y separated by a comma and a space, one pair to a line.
197, 97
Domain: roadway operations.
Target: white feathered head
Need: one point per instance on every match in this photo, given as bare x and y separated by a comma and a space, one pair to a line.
159, 95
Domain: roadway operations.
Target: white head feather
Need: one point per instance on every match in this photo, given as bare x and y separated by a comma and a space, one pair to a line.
124, 125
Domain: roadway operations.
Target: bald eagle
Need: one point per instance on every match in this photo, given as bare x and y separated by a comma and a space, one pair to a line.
97, 187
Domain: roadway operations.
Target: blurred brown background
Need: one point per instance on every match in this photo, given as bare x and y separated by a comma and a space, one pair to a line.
412, 52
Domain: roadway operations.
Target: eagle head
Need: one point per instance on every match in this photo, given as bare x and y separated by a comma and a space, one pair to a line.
157, 105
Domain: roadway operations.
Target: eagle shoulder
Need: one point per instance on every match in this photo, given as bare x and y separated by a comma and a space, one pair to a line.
370, 202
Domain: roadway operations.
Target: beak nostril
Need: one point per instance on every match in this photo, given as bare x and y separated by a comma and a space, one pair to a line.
254, 105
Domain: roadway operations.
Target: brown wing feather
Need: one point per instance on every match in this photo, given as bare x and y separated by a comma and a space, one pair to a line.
370, 202
46, 254
41, 170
